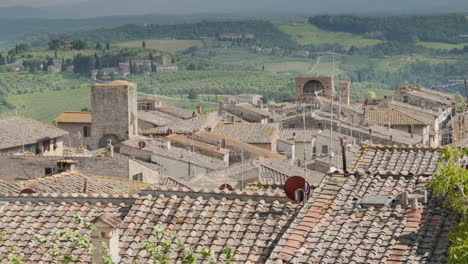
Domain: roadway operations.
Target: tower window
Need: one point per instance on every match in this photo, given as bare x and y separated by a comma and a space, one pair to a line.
86, 131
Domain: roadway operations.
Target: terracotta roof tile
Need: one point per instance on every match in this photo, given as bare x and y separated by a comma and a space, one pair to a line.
74, 117
252, 133
386, 116
18, 130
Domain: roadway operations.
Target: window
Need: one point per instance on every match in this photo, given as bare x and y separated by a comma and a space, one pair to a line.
138, 177
405, 99
49, 171
55, 144
314, 150
86, 131
46, 145
325, 149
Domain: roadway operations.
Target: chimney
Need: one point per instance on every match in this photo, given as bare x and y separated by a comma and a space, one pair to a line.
109, 149
167, 144
85, 186
370, 131
412, 131
345, 88
223, 145
220, 106
232, 119
66, 165
199, 110
106, 233
218, 145
343, 152
260, 103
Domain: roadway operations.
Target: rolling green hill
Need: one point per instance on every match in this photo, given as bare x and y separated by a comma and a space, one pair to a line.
169, 45
307, 34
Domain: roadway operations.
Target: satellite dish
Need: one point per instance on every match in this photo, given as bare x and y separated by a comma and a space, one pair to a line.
226, 186
27, 191
295, 188
142, 144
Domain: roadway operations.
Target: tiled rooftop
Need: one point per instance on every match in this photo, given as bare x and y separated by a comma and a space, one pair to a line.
248, 222
18, 130
361, 218
157, 147
234, 144
75, 182
252, 133
396, 160
188, 126
298, 135
157, 118
185, 141
385, 116
74, 117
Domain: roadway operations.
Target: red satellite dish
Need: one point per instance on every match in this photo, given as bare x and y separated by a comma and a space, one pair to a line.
142, 144
226, 186
295, 188
27, 191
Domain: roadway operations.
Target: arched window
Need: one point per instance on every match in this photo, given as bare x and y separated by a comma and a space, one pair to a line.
313, 86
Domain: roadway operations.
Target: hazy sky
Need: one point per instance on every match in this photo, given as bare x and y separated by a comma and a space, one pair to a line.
107, 7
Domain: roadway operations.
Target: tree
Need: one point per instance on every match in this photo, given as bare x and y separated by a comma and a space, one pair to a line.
98, 46
143, 44
451, 182
2, 59
55, 44
32, 65
97, 63
63, 66
192, 95
107, 46
83, 65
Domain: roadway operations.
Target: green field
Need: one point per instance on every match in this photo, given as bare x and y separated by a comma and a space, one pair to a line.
169, 45
397, 62
440, 45
289, 66
48, 105
306, 34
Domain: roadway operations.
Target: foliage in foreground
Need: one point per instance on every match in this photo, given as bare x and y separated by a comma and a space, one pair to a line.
451, 182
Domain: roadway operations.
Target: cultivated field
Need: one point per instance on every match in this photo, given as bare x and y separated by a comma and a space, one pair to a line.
169, 45
306, 34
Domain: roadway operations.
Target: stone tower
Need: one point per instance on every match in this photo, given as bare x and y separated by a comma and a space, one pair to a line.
345, 89
114, 113
307, 88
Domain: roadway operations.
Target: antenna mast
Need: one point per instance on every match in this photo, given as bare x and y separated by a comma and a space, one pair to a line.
330, 151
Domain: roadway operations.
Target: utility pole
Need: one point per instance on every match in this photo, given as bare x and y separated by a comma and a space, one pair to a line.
466, 88
242, 170
331, 110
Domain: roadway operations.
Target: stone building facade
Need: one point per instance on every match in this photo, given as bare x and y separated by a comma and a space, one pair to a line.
114, 112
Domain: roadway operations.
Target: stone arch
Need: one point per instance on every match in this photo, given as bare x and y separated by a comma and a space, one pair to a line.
313, 86
105, 139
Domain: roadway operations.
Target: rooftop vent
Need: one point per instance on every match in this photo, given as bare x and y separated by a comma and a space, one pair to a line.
377, 201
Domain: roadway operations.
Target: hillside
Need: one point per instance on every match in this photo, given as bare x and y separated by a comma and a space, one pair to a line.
211, 68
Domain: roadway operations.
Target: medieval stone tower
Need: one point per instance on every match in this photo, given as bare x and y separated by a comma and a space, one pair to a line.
308, 88
114, 112
345, 89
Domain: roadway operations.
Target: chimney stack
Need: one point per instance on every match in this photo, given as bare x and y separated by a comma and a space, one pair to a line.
109, 149
199, 110
343, 152
65, 165
106, 233
412, 131
218, 145
345, 88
